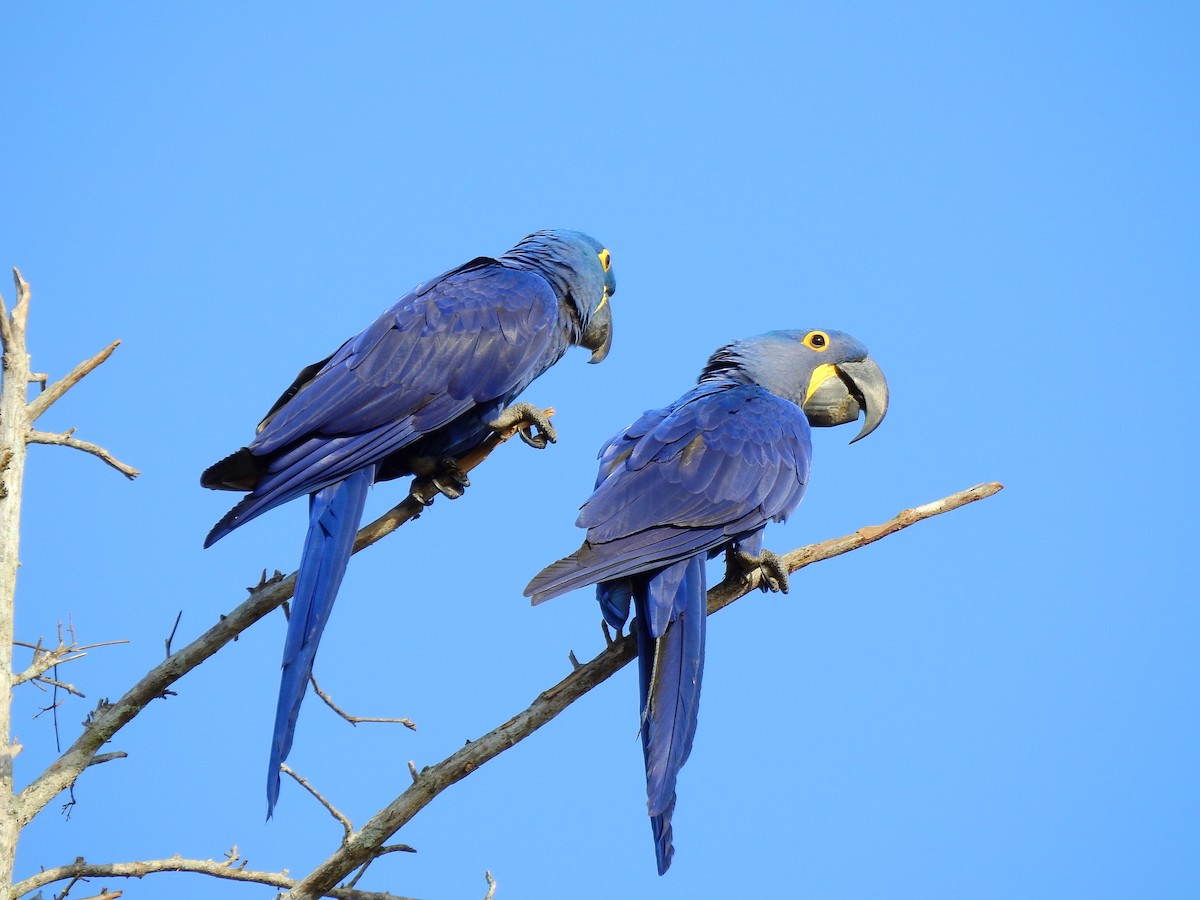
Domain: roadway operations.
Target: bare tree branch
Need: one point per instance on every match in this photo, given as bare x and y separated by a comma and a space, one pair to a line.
104, 894
66, 439
729, 590
328, 700
47, 398
383, 851
101, 758
265, 597
44, 660
431, 781
358, 720
62, 685
224, 869
341, 818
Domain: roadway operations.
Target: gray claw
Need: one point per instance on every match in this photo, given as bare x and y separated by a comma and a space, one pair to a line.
525, 417
773, 571
414, 492
449, 480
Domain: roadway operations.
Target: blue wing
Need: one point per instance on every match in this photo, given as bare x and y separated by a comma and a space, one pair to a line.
714, 467
467, 342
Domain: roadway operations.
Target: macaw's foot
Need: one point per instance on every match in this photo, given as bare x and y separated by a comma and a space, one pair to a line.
446, 477
525, 417
772, 569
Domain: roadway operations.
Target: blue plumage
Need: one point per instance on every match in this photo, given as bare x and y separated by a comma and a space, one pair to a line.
685, 482
424, 383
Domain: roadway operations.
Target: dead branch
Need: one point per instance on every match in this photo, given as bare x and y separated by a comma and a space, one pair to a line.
104, 894
171, 637
328, 700
66, 439
61, 685
383, 851
47, 398
357, 720
332, 810
433, 780
44, 660
224, 869
101, 758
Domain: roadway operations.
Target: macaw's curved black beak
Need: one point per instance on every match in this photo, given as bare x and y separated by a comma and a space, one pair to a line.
597, 337
851, 388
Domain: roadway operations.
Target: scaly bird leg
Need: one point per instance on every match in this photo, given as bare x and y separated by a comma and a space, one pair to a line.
525, 417
446, 476
771, 568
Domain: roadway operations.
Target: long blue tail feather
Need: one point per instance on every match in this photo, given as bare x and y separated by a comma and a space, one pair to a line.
671, 667
334, 514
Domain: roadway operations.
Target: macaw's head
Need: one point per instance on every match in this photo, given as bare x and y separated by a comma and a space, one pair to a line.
580, 269
828, 374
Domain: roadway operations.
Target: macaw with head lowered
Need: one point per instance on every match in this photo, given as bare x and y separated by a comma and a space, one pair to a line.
427, 381
685, 482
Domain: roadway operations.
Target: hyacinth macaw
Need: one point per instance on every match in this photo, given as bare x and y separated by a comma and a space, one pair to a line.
685, 482
423, 384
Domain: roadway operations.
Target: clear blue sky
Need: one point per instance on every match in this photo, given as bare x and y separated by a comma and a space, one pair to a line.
1001, 201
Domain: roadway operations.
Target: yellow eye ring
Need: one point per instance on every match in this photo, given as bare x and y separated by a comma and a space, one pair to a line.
606, 259
816, 340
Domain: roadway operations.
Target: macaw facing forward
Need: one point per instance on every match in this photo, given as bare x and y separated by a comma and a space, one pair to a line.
685, 482
426, 382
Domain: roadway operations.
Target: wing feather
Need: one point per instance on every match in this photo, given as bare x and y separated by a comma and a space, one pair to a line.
717, 464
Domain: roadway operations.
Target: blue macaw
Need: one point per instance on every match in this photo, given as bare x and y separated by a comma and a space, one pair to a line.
426, 382
685, 482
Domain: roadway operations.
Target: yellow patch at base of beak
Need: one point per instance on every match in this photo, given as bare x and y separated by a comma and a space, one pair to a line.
820, 375
603, 300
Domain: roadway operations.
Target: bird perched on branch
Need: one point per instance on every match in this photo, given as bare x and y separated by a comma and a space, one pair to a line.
685, 482
426, 382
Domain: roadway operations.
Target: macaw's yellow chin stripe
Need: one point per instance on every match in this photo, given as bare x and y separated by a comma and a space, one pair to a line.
603, 300
820, 375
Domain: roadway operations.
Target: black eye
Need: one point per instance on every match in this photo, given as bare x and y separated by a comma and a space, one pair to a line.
818, 340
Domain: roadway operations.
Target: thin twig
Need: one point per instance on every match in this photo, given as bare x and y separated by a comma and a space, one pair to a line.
171, 636
101, 758
44, 660
69, 688
52, 393
491, 885
66, 439
328, 700
436, 778
73, 647
357, 720
383, 851
333, 810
